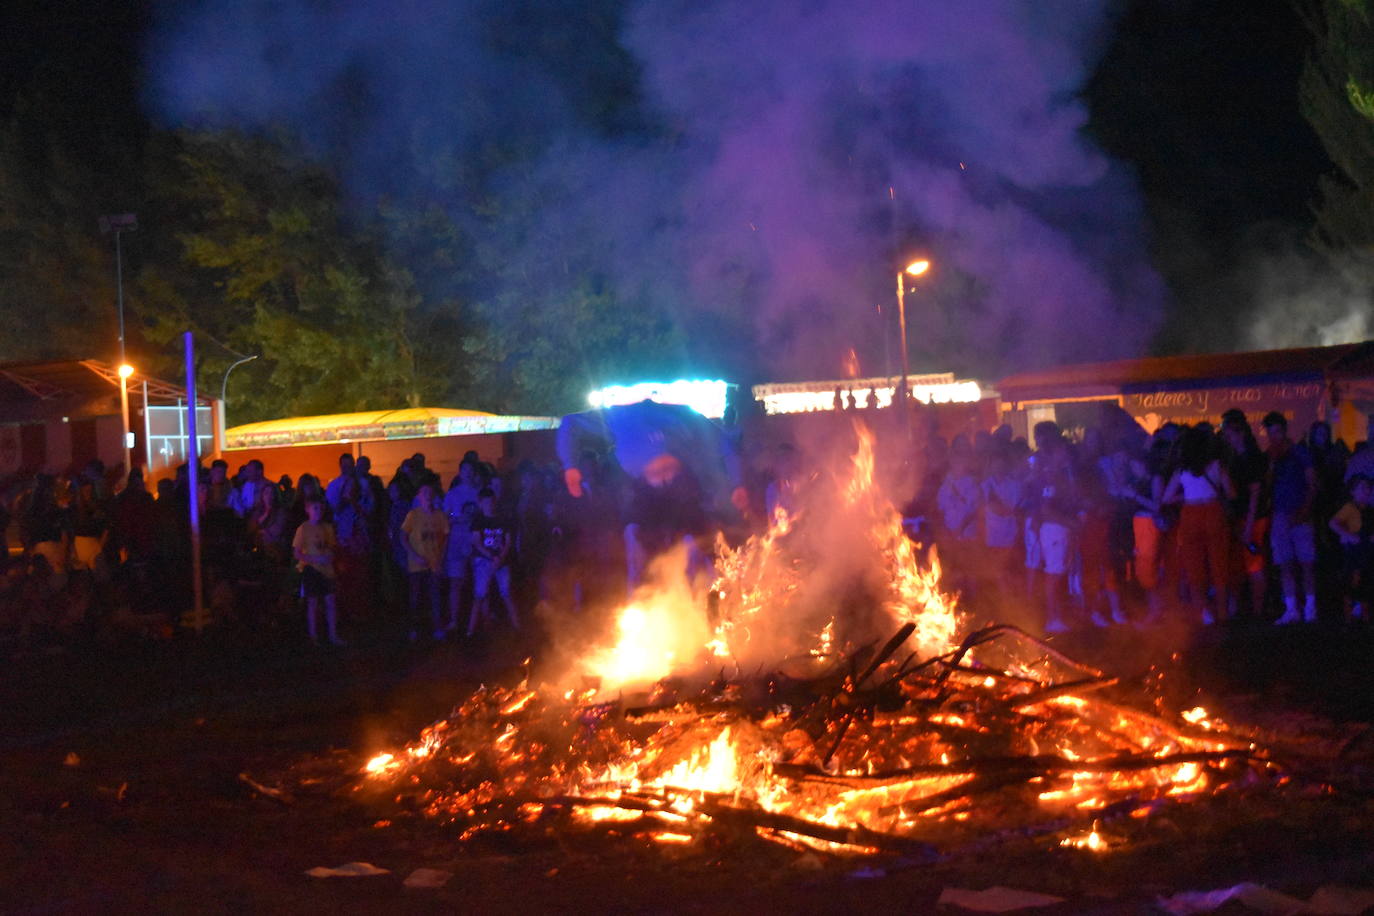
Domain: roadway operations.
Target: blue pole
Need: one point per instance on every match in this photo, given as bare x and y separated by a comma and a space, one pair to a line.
193, 469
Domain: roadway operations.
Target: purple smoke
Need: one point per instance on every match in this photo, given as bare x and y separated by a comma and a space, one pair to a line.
803, 150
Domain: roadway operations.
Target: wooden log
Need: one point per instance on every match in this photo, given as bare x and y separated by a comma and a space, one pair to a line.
849, 836
1022, 767
750, 818
1058, 690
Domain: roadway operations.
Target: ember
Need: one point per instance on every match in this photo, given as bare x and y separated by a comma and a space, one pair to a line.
846, 741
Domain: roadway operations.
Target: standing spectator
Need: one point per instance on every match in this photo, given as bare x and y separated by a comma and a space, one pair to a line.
960, 500
355, 545
1328, 464
374, 502
314, 546
1122, 468
288, 491
244, 500
307, 488
1144, 489
134, 525
372, 496
267, 526
1003, 502
220, 488
1328, 461
426, 532
335, 489
1246, 466
1201, 484
397, 564
1292, 484
458, 560
1099, 575
421, 475
271, 540
1056, 516
1352, 525
463, 489
586, 557
492, 545
90, 530
46, 529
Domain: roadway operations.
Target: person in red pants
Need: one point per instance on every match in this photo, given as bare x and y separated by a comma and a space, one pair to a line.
1202, 485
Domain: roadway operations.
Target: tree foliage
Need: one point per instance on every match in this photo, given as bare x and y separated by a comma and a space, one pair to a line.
431, 292
267, 264
57, 277
1337, 95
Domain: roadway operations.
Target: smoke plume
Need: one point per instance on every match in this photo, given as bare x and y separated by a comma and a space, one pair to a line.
1304, 299
757, 170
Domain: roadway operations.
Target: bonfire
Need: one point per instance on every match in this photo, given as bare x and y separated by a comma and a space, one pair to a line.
855, 711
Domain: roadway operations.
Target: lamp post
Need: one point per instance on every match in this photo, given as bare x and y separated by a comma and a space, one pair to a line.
916, 269
120, 223
125, 370
222, 411
224, 385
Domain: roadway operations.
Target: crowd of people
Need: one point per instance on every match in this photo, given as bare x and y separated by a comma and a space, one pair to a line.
1192, 523
434, 560
1108, 527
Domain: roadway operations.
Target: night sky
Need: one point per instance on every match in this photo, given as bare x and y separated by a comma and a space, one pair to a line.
1195, 103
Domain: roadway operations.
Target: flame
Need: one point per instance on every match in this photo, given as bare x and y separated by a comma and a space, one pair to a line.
1091, 841
714, 768
825, 643
380, 764
665, 837
655, 634
915, 595
713, 745
664, 628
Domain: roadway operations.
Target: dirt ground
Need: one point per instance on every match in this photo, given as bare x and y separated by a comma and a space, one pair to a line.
120, 790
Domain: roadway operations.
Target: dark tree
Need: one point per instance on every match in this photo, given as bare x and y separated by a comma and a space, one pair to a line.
1338, 100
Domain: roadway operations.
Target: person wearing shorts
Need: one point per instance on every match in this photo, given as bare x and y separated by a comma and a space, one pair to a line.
314, 546
1291, 482
492, 542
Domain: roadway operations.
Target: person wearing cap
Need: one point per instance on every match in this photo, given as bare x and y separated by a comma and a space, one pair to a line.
1291, 484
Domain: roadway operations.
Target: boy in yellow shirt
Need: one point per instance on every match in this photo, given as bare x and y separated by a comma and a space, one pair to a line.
314, 546
426, 537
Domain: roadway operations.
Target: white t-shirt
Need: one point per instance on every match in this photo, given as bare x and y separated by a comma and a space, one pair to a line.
1001, 529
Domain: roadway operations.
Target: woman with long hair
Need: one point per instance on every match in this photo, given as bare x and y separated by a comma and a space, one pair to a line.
1202, 485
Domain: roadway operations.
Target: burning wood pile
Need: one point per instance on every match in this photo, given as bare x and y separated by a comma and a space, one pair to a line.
912, 742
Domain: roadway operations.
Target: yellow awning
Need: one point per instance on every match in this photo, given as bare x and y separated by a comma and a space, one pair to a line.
376, 425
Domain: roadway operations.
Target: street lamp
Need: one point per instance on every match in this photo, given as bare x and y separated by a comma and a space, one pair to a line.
120, 223
915, 269
224, 387
126, 370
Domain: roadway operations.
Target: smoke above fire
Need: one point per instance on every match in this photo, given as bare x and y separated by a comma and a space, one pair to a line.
1304, 299
756, 170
